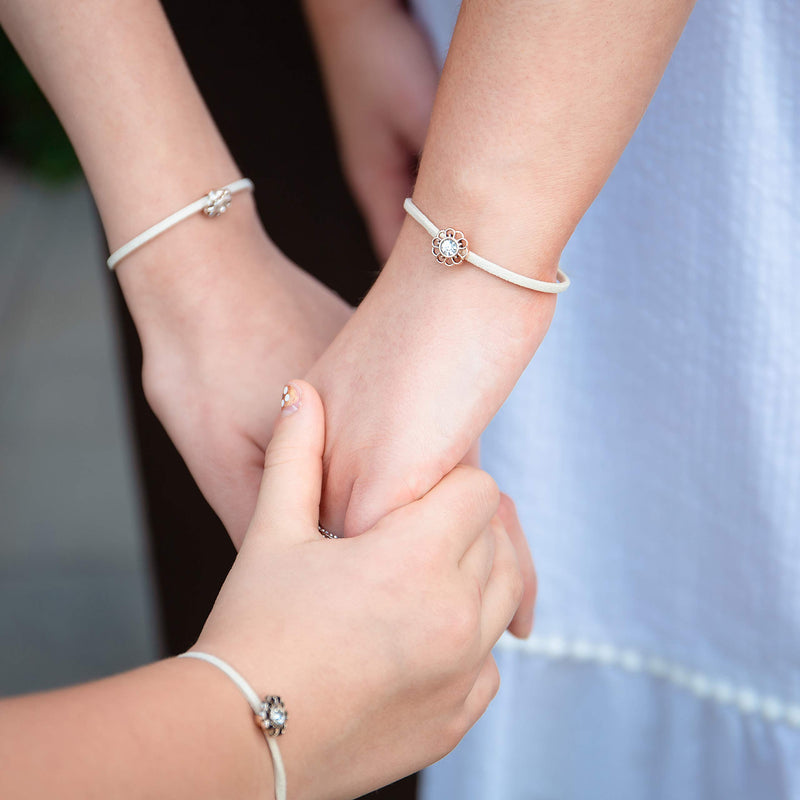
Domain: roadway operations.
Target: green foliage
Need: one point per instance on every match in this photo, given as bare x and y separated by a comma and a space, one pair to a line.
30, 132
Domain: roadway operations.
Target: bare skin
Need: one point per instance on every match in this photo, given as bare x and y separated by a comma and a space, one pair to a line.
536, 103
224, 317
404, 690
381, 79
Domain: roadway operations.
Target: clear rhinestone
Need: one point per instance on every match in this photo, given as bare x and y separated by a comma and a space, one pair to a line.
448, 247
277, 716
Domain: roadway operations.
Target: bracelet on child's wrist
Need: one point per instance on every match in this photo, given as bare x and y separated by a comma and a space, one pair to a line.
270, 714
212, 205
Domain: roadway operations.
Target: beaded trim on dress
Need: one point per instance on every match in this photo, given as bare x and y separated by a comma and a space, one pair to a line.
743, 698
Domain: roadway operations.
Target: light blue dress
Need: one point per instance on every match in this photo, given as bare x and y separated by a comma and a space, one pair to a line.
653, 448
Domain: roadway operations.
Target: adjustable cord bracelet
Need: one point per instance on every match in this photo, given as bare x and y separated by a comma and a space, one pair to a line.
270, 715
450, 248
213, 204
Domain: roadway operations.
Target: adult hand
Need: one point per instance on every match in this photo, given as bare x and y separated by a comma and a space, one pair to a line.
381, 79
224, 317
379, 645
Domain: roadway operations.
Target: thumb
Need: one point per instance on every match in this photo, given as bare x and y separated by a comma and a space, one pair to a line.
288, 501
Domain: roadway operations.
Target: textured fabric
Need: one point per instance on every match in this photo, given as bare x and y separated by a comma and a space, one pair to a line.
653, 447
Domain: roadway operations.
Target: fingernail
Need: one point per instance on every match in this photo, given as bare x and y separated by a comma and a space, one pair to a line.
290, 401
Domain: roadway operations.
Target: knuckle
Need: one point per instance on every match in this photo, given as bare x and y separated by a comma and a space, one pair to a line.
432, 550
279, 454
493, 684
515, 576
486, 690
478, 489
486, 490
455, 731
507, 508
426, 561
463, 681
511, 580
532, 582
516, 585
460, 626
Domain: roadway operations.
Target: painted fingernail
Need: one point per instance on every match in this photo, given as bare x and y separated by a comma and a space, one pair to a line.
290, 401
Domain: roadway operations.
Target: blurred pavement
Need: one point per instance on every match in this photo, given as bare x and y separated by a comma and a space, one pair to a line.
75, 596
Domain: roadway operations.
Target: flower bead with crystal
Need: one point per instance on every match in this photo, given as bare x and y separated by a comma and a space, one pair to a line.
218, 201
450, 247
272, 715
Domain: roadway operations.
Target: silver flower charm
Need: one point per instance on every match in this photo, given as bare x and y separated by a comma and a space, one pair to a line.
218, 201
272, 715
450, 247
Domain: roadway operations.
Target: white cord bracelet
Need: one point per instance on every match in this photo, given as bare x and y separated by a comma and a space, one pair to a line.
450, 247
213, 204
270, 713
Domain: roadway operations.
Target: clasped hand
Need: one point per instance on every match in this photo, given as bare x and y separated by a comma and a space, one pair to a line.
409, 612
233, 316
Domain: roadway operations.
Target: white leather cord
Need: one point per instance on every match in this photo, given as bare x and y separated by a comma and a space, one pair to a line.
255, 703
244, 184
489, 266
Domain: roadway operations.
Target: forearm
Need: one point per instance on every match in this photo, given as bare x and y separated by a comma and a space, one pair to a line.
118, 83
536, 103
173, 729
223, 317
146, 141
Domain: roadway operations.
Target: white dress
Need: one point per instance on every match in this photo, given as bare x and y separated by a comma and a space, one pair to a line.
653, 448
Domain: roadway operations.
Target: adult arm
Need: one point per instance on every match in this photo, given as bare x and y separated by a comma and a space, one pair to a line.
536, 103
222, 315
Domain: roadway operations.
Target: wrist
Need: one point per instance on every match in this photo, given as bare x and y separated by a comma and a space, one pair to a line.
224, 728
459, 340
482, 305
479, 330
182, 280
152, 188
500, 214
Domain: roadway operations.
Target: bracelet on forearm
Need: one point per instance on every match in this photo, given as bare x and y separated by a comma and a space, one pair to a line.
213, 204
451, 247
270, 715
